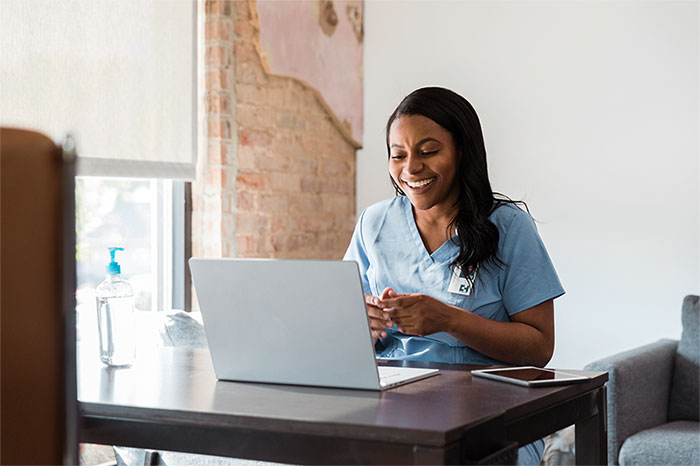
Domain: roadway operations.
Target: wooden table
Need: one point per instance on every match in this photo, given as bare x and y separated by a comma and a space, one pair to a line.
171, 400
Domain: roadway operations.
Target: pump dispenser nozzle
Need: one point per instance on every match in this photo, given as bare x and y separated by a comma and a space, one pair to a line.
113, 267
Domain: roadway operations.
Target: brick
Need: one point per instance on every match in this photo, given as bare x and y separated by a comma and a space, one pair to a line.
247, 223
228, 202
272, 163
305, 203
228, 248
250, 94
247, 159
218, 102
250, 73
228, 153
311, 184
291, 121
242, 9
279, 82
343, 185
317, 223
283, 222
253, 116
247, 201
217, 55
218, 29
273, 203
219, 79
343, 222
287, 143
244, 29
255, 138
228, 226
291, 100
214, 103
248, 245
213, 175
245, 51
218, 7
309, 103
291, 242
323, 127
254, 181
344, 149
219, 128
282, 182
214, 153
276, 97
338, 203
228, 178
311, 145
330, 167
219, 153
326, 243
303, 165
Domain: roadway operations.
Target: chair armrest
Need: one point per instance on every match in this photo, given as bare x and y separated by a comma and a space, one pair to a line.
637, 390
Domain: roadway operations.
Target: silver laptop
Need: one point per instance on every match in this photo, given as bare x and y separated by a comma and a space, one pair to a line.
291, 322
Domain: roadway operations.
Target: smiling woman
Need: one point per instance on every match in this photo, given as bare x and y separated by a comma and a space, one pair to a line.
452, 271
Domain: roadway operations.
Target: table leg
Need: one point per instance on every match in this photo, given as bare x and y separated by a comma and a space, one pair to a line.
592, 434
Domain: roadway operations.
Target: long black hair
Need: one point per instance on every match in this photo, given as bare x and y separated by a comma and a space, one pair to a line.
476, 234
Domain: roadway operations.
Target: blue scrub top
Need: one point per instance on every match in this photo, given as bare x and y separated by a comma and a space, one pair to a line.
388, 248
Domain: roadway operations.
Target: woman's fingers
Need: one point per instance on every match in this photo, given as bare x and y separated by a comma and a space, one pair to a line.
400, 301
379, 319
388, 293
379, 315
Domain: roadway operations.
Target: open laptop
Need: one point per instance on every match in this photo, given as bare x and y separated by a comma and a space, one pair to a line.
291, 322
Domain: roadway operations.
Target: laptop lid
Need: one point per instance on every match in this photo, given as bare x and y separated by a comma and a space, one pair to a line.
286, 321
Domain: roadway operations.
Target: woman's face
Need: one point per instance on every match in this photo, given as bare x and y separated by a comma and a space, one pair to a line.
423, 162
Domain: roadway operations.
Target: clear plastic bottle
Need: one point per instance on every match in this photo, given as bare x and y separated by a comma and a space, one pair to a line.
116, 316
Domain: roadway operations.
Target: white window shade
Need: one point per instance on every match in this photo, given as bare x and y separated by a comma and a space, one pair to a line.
120, 76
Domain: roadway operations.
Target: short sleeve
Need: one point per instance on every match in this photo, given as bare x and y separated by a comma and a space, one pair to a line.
358, 252
529, 277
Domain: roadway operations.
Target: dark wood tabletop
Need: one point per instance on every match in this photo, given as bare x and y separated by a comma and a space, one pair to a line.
170, 400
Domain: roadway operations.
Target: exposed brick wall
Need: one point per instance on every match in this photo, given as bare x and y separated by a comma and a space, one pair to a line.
279, 179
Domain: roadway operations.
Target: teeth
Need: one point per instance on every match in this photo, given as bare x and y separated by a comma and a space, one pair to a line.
421, 183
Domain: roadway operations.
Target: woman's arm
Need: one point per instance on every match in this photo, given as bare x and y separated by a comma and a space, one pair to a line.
528, 339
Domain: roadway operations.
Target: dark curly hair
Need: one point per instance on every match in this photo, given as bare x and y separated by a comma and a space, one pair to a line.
476, 234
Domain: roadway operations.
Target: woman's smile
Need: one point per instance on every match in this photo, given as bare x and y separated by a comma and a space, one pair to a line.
420, 184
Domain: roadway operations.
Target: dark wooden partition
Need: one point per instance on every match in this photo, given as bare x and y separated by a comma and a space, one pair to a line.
38, 404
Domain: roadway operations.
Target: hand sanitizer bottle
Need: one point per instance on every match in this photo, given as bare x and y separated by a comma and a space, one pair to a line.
115, 316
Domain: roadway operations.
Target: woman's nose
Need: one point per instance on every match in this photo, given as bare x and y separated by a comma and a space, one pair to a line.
413, 164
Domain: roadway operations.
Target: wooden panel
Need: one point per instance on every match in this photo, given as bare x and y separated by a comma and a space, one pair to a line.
31, 306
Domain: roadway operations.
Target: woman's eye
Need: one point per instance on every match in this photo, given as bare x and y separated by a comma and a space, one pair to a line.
397, 156
427, 153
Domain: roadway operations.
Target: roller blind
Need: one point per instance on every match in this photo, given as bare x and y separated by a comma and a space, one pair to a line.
120, 76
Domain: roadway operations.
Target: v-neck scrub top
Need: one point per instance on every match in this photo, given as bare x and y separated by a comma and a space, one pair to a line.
388, 248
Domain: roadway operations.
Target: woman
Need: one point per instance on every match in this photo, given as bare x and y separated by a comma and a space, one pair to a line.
452, 272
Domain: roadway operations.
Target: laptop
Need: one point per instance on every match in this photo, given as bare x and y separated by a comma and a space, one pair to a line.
299, 322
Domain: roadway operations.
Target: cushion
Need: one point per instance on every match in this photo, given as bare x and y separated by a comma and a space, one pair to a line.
672, 443
685, 393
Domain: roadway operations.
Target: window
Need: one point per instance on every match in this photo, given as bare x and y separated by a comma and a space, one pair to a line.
146, 218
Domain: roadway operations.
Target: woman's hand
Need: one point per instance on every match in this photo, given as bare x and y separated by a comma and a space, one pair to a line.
378, 319
416, 314
527, 339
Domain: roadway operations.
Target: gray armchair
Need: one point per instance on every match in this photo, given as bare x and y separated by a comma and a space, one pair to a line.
653, 405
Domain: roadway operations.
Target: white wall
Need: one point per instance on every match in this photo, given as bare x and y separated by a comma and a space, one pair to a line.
590, 115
